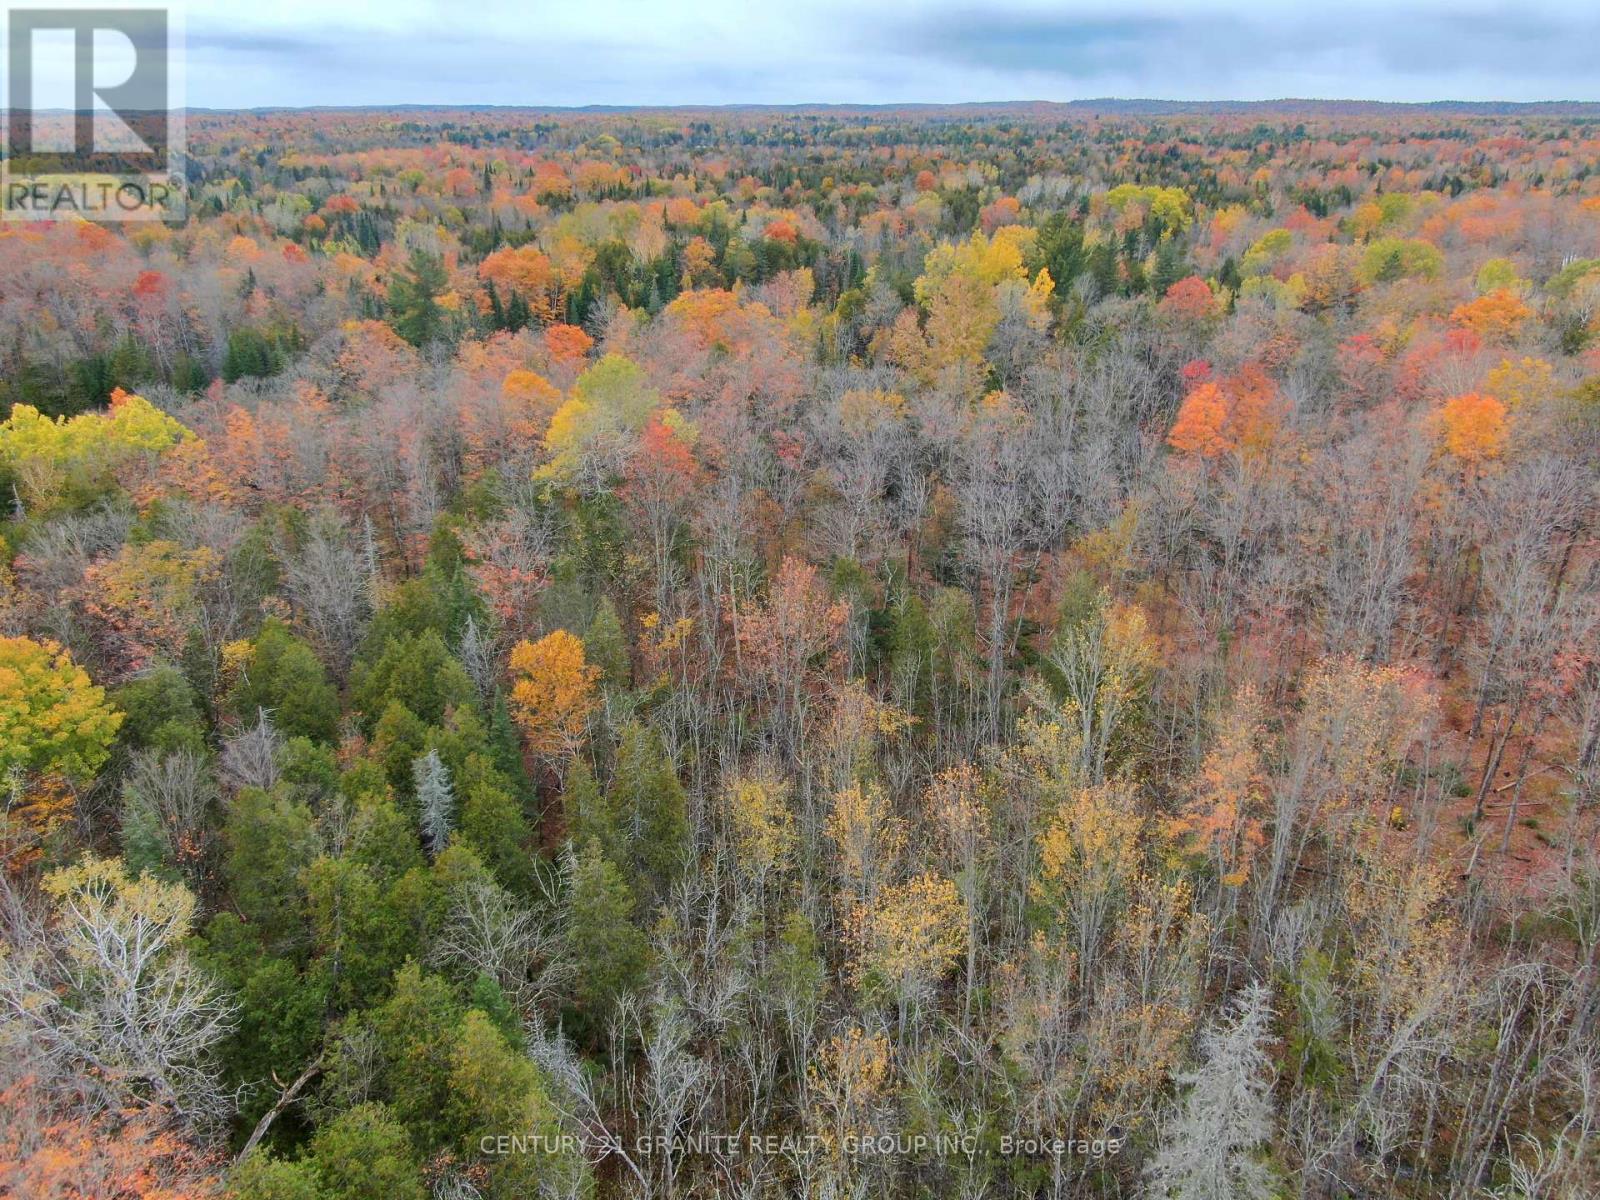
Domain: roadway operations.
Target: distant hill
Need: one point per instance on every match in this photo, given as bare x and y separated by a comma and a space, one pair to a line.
1106, 106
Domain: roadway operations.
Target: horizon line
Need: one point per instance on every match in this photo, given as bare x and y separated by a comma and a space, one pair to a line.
812, 105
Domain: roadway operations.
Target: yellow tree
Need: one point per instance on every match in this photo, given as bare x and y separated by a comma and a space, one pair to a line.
1103, 665
552, 693
867, 837
50, 458
761, 823
1089, 856
908, 939
1526, 381
961, 819
849, 1082
53, 720
965, 287
55, 731
609, 402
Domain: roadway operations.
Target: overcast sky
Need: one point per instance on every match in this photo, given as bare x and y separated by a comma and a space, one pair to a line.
575, 52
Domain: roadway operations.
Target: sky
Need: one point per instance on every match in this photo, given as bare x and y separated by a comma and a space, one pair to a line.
650, 52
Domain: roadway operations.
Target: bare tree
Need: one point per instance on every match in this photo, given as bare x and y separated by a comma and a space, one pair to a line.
326, 582
173, 797
251, 757
104, 999
477, 655
486, 932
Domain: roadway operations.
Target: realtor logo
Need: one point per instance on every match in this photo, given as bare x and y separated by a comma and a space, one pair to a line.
93, 126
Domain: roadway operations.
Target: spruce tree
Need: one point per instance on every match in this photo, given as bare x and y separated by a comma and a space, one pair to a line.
436, 800
1210, 1148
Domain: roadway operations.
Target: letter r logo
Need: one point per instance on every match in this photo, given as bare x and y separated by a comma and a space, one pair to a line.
100, 72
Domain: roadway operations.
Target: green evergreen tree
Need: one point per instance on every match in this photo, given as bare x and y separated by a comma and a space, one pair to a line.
397, 739
382, 839
358, 933
279, 1012
160, 711
418, 671
493, 824
284, 676
610, 952
414, 299
652, 809
268, 841
606, 646
588, 814
365, 1154
415, 1028
263, 1177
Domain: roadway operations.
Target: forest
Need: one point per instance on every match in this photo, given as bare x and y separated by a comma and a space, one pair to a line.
980, 652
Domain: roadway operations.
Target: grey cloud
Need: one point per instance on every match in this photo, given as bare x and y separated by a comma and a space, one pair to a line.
947, 50
1159, 45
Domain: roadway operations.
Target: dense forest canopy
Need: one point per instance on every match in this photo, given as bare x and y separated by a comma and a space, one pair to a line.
997, 651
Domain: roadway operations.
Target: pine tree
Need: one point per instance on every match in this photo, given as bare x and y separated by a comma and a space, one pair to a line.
284, 676
650, 805
606, 646
609, 949
477, 656
588, 814
491, 821
436, 800
365, 1154
414, 299
1209, 1148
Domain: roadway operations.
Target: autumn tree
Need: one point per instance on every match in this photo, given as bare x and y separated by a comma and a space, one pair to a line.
71, 460
761, 824
51, 1150
1498, 318
1222, 819
1472, 428
611, 400
1089, 856
53, 719
56, 731
1102, 665
909, 938
785, 647
149, 595
1219, 417
1199, 427
552, 693
107, 998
